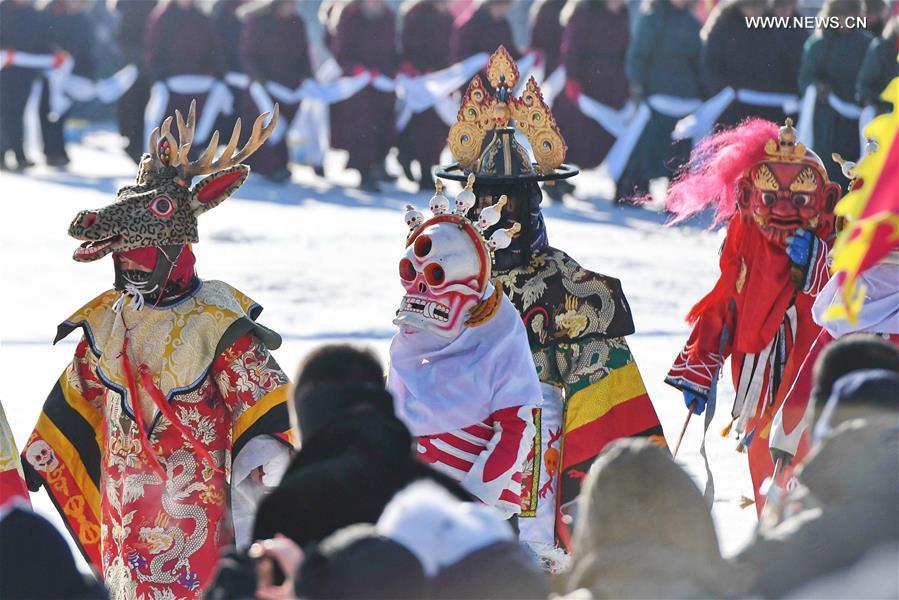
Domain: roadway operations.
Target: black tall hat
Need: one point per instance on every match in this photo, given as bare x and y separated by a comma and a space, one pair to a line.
483, 140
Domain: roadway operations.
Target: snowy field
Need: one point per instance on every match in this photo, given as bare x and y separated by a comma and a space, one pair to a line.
321, 257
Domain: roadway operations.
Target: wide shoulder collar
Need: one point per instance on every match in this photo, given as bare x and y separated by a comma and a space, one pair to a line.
562, 302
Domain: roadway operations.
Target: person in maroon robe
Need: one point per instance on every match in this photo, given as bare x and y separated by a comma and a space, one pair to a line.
364, 124
182, 40
481, 29
133, 17
273, 47
22, 29
70, 30
594, 45
546, 32
425, 46
228, 27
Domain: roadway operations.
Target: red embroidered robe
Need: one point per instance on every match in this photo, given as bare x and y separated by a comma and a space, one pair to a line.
144, 486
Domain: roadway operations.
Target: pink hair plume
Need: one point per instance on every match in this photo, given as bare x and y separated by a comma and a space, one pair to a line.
716, 165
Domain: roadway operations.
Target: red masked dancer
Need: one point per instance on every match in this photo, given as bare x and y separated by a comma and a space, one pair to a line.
777, 201
156, 436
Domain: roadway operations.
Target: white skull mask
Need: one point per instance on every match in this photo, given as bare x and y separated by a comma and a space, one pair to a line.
445, 273
40, 456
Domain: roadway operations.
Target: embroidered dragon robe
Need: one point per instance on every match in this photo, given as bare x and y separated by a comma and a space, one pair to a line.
137, 439
593, 393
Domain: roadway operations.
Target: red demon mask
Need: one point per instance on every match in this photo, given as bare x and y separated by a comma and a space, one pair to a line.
788, 190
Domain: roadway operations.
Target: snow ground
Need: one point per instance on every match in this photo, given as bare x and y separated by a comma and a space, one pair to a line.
321, 258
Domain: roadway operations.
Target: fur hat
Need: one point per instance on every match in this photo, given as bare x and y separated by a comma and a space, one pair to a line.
645, 530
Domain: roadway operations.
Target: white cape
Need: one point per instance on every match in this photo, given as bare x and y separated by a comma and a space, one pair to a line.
441, 385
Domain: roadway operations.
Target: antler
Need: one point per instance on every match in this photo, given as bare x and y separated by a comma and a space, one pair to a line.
205, 163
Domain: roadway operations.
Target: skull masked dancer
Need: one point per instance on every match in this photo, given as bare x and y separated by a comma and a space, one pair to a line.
777, 201
172, 403
460, 367
576, 320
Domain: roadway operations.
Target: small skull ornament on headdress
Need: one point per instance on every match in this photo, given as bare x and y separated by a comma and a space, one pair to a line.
439, 203
466, 198
414, 218
447, 266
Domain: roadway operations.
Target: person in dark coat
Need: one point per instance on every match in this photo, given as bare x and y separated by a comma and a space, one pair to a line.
879, 67
791, 41
274, 47
482, 29
71, 31
877, 14
133, 17
424, 48
663, 58
181, 40
547, 31
228, 25
37, 563
22, 29
355, 453
771, 66
358, 562
594, 46
364, 125
831, 61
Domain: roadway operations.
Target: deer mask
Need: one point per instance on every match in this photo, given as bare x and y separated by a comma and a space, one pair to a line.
161, 209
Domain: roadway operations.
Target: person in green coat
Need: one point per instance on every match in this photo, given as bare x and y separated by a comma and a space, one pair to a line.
879, 68
831, 59
663, 58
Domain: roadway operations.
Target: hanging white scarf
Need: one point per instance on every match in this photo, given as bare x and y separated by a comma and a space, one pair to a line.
672, 106
702, 121
440, 385
847, 110
219, 100
65, 88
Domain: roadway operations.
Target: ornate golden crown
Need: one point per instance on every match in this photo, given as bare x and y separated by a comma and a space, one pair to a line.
483, 111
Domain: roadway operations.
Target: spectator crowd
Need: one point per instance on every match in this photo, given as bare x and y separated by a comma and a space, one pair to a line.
356, 515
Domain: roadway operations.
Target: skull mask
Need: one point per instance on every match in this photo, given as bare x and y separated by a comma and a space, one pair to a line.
40, 456
787, 191
445, 273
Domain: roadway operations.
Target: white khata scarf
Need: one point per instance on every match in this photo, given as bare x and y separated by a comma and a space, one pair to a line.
441, 385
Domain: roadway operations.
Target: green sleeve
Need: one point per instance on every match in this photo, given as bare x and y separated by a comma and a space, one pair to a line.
639, 52
812, 68
867, 85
